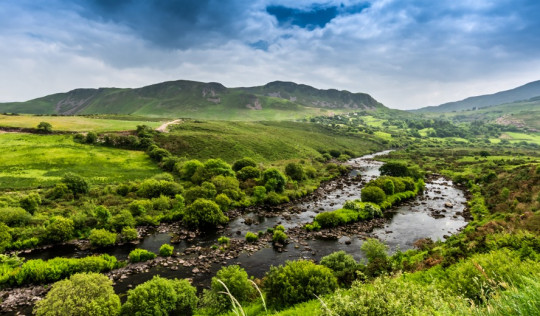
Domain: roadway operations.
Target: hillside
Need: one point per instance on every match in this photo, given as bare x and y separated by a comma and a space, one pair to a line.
525, 92
276, 100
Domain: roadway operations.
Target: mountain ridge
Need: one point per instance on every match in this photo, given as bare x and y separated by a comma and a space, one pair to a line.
521, 93
191, 98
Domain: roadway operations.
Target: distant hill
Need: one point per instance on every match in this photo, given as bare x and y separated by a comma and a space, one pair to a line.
522, 93
182, 98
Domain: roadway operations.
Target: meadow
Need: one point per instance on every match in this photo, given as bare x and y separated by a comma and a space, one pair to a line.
78, 123
30, 161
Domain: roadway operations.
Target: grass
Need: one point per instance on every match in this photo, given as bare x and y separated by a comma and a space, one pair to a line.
75, 123
263, 141
30, 161
530, 137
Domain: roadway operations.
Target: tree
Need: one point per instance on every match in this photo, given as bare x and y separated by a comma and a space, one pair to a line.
75, 183
161, 296
81, 294
242, 163
204, 213
44, 127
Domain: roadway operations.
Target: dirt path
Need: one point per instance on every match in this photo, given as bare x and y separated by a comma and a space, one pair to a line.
163, 127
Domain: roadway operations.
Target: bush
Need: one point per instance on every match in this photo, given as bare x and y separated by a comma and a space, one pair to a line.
204, 213
373, 194
274, 198
395, 169
59, 229
139, 255
294, 171
206, 191
279, 237
334, 153
243, 163
129, 234
259, 193
101, 238
161, 296
91, 138
188, 169
251, 237
44, 127
274, 180
60, 190
342, 264
328, 219
14, 216
388, 187
224, 240
166, 250
75, 183
153, 188
31, 202
5, 237
223, 201
237, 282
122, 219
297, 281
248, 172
376, 254
212, 168
81, 294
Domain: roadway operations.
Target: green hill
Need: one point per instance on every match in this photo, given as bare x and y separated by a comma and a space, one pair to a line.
276, 100
525, 92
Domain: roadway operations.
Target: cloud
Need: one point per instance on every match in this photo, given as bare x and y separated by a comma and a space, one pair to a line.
405, 53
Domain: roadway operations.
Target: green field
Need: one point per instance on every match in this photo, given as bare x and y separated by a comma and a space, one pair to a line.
531, 138
30, 161
75, 123
263, 141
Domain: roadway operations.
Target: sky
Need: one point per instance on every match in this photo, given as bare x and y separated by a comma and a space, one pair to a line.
405, 53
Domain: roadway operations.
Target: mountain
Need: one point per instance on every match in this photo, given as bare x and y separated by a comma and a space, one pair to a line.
182, 98
525, 92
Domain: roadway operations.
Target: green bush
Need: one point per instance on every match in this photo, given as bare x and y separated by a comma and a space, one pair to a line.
166, 250
14, 216
373, 194
139, 255
237, 282
224, 240
59, 229
297, 281
122, 219
39, 271
44, 127
188, 169
274, 180
342, 264
294, 171
5, 237
223, 201
31, 202
388, 187
153, 188
279, 237
75, 183
161, 296
274, 198
103, 215
248, 172
251, 237
259, 193
206, 190
81, 294
101, 238
129, 234
376, 254
395, 169
243, 163
204, 213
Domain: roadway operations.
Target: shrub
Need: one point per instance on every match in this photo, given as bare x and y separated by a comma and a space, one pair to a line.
237, 282
91, 138
280, 227
161, 296
376, 255
188, 169
297, 281
75, 183
395, 169
59, 229
122, 219
206, 191
153, 188
251, 237
279, 237
373, 194
44, 127
5, 237
259, 193
294, 171
274, 180
342, 264
81, 294
274, 198
102, 214
31, 202
328, 219
140, 207
101, 238
14, 216
129, 234
159, 154
166, 250
210, 169
248, 172
223, 201
60, 190
388, 187
242, 163
203, 213
139, 255
224, 240
334, 153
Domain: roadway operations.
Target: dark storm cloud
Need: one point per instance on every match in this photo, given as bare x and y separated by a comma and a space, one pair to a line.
169, 23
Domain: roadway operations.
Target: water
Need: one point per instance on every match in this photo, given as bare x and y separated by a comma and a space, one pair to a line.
408, 223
